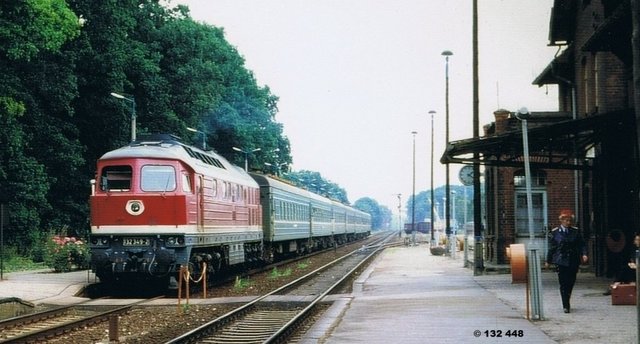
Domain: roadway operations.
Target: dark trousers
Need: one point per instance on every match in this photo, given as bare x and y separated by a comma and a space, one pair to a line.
567, 279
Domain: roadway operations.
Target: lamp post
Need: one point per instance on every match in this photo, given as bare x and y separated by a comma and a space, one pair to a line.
535, 280
413, 199
399, 215
433, 221
446, 55
246, 156
453, 212
204, 137
277, 167
133, 112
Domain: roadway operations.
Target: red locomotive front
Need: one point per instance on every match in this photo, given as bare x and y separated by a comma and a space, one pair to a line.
157, 205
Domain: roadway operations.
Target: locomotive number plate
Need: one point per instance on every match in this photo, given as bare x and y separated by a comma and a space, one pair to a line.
135, 241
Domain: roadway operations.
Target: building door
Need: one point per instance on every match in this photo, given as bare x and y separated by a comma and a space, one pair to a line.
540, 219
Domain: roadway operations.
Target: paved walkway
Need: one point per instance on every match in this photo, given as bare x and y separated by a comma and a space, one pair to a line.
44, 286
410, 296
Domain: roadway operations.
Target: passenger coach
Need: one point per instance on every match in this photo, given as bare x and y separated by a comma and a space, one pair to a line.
297, 221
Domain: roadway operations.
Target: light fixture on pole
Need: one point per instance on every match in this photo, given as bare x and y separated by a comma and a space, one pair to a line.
204, 137
535, 273
413, 197
433, 217
276, 166
399, 215
246, 155
133, 112
446, 55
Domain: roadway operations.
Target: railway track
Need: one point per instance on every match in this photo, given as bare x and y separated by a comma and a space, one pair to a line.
49, 324
264, 321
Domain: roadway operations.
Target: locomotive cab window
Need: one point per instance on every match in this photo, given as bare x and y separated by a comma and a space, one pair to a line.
116, 178
158, 178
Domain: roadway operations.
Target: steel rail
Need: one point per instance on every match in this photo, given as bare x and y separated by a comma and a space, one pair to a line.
58, 329
215, 325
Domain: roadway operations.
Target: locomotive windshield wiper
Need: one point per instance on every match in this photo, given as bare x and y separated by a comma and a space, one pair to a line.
166, 186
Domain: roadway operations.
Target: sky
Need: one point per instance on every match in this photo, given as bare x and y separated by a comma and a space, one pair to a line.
355, 78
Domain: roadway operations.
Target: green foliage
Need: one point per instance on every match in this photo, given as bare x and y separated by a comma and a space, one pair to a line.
314, 182
27, 27
275, 273
303, 265
242, 283
65, 253
12, 261
423, 205
380, 215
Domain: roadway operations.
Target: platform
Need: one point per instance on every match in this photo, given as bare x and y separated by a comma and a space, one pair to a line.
409, 296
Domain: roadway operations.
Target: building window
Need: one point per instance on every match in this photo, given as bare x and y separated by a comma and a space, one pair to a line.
538, 179
539, 208
538, 202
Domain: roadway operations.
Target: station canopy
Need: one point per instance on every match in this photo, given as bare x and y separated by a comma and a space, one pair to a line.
562, 145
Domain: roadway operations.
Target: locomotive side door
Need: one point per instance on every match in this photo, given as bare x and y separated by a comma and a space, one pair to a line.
200, 218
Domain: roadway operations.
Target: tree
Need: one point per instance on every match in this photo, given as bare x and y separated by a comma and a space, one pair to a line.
380, 215
29, 27
23, 184
60, 62
314, 182
423, 205
35, 92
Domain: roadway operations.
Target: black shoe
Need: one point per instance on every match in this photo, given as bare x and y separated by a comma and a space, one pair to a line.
608, 292
566, 310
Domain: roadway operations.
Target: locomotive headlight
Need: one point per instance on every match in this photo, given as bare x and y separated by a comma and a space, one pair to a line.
99, 241
134, 207
174, 241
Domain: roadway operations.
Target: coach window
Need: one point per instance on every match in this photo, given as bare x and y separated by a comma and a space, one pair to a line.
116, 178
186, 183
214, 188
156, 178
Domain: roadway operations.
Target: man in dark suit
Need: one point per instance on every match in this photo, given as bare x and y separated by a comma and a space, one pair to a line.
567, 250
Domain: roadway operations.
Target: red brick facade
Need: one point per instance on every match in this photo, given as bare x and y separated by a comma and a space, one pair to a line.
593, 71
554, 187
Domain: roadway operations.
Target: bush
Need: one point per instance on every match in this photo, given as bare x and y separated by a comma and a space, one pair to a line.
65, 253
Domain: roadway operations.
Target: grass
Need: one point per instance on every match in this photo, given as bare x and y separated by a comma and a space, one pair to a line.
303, 265
17, 263
275, 273
242, 283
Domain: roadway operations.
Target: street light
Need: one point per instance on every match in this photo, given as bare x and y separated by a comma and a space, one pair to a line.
534, 262
433, 221
133, 112
413, 199
204, 137
246, 156
277, 167
446, 55
453, 212
400, 216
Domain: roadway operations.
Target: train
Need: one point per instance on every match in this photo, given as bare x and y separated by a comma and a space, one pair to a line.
158, 205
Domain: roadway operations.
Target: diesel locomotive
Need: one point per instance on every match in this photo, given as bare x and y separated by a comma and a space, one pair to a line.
158, 204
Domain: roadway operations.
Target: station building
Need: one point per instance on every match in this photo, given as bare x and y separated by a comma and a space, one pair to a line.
583, 157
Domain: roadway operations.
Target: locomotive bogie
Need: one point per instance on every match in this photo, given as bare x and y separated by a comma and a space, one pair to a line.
114, 257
